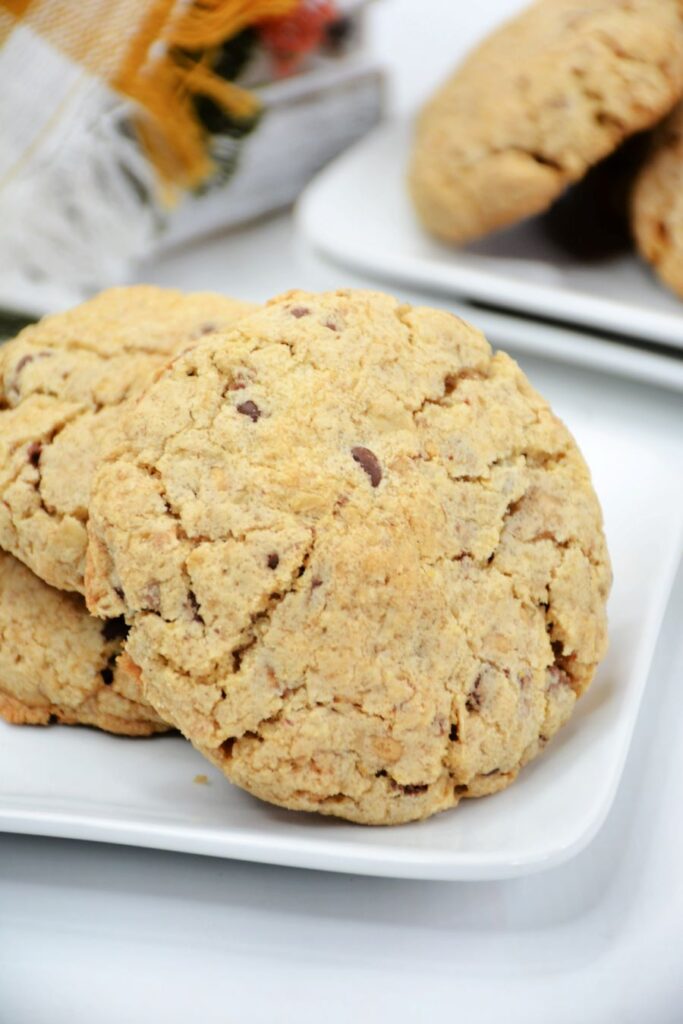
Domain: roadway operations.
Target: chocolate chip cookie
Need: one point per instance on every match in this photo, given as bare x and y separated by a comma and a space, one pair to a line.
657, 203
362, 560
64, 385
539, 102
59, 664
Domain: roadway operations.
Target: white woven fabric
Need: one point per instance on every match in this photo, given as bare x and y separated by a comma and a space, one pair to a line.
75, 190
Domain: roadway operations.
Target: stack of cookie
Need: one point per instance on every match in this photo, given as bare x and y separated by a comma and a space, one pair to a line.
337, 542
541, 102
66, 385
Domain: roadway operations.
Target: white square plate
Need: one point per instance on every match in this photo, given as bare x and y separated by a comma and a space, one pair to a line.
358, 211
83, 784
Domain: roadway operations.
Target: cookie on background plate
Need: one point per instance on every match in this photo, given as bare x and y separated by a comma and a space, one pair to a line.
362, 560
59, 664
539, 102
657, 203
64, 383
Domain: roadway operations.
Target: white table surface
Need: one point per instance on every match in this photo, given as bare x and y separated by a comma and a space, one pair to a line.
101, 934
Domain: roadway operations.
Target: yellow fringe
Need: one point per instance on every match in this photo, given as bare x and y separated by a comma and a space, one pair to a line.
210, 22
169, 130
163, 66
198, 79
151, 28
17, 8
163, 86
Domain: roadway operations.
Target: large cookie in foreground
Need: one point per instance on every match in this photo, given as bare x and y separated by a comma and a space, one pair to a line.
59, 664
363, 561
539, 102
64, 385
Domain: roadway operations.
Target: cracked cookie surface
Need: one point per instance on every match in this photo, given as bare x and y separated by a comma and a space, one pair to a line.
362, 560
539, 102
63, 385
59, 664
657, 203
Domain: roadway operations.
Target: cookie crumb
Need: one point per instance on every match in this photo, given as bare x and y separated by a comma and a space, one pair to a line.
201, 780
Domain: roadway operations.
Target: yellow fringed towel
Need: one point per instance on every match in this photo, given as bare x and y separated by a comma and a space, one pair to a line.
123, 127
153, 53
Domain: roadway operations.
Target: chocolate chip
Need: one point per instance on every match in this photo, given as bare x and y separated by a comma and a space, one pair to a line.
249, 409
414, 790
316, 582
368, 461
119, 593
331, 326
460, 789
273, 560
107, 676
453, 734
299, 311
115, 629
381, 774
33, 453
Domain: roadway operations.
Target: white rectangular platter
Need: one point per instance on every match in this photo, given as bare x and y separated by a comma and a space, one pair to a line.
83, 784
358, 211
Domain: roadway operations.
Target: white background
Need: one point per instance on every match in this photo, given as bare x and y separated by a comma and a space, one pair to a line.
104, 934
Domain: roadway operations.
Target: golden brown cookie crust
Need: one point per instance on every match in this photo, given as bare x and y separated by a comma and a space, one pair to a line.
540, 101
363, 561
657, 203
63, 385
59, 664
